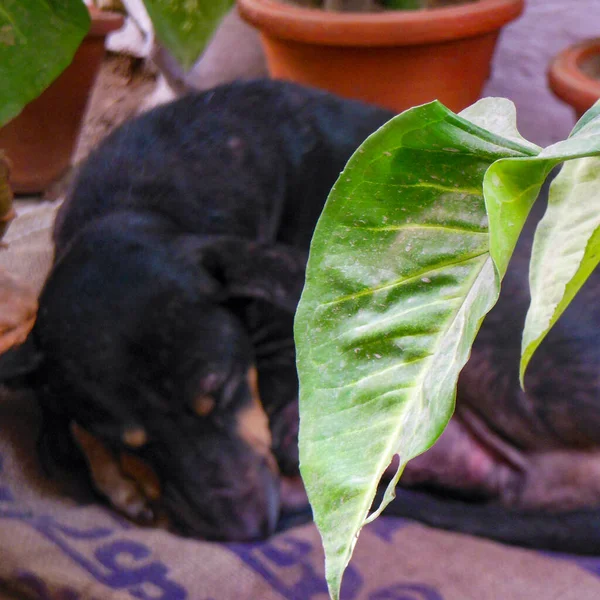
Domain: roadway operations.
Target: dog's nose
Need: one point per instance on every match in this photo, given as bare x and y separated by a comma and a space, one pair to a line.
261, 514
273, 500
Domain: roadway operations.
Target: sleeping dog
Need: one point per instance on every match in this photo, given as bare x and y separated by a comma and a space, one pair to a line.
164, 335
163, 356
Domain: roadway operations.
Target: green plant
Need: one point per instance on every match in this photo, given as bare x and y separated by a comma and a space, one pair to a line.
185, 26
406, 260
38, 40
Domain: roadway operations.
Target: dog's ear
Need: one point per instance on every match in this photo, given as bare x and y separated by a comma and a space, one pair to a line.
272, 273
20, 361
245, 268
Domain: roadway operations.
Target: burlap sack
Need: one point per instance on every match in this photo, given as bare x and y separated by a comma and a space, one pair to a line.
58, 543
26, 252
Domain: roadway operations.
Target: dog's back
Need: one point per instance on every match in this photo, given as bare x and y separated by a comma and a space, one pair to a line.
251, 160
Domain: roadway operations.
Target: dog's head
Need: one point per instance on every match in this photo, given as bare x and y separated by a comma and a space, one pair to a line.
143, 358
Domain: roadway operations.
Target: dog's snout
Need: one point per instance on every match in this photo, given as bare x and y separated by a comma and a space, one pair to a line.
221, 489
259, 519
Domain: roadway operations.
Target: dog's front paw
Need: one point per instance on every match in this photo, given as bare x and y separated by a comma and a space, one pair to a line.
127, 482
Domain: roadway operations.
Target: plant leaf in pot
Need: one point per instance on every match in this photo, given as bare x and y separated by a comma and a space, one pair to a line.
31, 31
49, 72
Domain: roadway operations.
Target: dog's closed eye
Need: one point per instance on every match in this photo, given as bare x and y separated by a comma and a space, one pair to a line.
203, 405
207, 392
135, 437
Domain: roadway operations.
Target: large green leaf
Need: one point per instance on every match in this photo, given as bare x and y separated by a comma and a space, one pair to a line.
398, 280
186, 26
512, 185
566, 247
38, 39
402, 270
566, 244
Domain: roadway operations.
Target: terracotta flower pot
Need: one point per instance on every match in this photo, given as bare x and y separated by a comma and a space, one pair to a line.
574, 75
396, 59
40, 141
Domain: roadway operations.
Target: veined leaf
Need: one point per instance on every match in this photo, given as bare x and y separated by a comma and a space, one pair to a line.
558, 269
512, 185
186, 26
398, 281
566, 249
38, 39
588, 122
498, 116
403, 268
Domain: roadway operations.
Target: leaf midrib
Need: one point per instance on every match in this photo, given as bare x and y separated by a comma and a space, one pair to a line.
400, 282
382, 464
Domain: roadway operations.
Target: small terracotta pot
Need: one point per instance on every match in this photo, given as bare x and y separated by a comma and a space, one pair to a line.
396, 59
41, 140
570, 75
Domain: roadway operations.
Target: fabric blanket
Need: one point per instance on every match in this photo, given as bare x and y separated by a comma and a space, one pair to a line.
58, 543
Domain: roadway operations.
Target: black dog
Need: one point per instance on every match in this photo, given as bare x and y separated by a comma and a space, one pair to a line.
165, 328
163, 347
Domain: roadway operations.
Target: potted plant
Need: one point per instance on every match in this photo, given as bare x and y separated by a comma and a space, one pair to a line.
394, 58
41, 139
406, 261
54, 43
574, 75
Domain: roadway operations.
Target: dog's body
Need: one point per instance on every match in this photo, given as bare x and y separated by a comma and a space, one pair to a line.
180, 259
164, 336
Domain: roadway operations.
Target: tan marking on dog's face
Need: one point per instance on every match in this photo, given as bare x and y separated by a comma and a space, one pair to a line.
135, 437
253, 424
203, 405
142, 473
109, 479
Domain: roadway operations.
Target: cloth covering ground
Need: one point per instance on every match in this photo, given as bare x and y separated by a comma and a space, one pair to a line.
58, 543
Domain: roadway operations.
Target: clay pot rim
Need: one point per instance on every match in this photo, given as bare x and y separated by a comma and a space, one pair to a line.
103, 22
387, 28
569, 82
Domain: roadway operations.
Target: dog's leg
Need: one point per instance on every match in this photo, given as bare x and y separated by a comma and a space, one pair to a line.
128, 483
